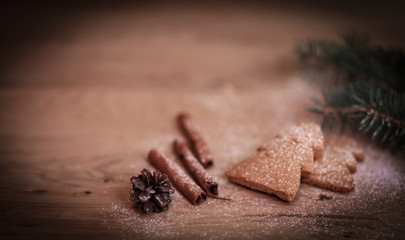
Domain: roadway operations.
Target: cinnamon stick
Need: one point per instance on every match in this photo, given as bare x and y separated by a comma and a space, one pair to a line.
195, 168
178, 177
197, 142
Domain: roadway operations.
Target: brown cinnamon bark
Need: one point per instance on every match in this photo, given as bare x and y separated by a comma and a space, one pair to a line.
195, 168
178, 177
197, 143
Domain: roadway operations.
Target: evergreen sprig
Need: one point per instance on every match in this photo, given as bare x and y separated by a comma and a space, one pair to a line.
375, 111
372, 94
355, 59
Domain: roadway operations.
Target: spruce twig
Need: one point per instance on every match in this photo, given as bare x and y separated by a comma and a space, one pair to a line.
374, 111
372, 94
355, 60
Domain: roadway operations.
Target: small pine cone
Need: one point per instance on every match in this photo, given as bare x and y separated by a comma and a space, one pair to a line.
151, 192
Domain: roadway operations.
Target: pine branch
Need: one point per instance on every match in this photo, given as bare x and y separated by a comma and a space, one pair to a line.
371, 95
356, 60
373, 110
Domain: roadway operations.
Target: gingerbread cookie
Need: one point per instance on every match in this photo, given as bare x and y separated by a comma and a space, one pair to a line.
333, 170
308, 133
276, 168
308, 137
345, 142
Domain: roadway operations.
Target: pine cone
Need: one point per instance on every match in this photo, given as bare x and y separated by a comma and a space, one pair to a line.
151, 193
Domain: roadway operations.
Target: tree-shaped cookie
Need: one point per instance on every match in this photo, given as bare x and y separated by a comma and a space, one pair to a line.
334, 169
276, 167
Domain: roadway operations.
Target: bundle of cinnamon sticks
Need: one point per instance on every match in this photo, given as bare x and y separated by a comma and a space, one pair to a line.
195, 160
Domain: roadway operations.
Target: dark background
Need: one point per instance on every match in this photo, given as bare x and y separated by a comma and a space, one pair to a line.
28, 25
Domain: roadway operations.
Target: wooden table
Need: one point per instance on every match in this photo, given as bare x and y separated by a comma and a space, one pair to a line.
85, 99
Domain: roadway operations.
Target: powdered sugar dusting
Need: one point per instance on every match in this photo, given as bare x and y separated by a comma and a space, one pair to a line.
362, 213
372, 210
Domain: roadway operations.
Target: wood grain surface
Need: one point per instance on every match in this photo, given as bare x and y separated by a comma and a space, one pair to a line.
86, 94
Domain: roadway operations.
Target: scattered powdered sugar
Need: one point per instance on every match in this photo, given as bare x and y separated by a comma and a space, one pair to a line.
372, 210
